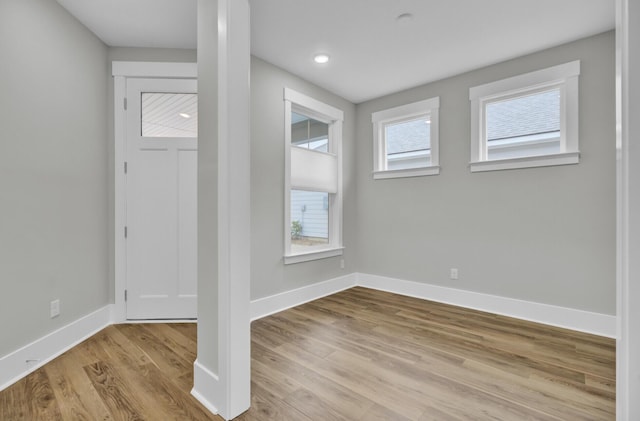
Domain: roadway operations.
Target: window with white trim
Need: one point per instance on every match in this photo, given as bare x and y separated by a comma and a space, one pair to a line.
313, 179
405, 140
530, 120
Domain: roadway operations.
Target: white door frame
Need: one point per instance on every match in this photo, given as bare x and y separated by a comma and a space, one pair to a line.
121, 70
628, 203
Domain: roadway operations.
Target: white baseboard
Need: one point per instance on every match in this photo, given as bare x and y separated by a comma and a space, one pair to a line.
154, 321
18, 364
269, 305
14, 366
206, 383
579, 320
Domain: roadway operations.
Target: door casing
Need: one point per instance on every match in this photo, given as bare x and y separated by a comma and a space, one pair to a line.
161, 211
121, 71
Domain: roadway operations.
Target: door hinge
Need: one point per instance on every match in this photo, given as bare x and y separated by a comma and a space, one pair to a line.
125, 167
125, 295
125, 232
125, 103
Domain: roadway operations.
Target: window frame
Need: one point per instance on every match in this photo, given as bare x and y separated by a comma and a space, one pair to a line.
398, 115
565, 77
334, 117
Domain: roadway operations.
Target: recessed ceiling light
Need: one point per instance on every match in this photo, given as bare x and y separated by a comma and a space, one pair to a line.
185, 115
321, 58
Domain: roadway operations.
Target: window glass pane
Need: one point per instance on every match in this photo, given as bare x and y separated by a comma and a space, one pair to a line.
309, 220
169, 115
524, 126
308, 133
408, 144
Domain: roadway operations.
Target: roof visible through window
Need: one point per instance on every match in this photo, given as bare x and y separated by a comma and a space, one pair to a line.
523, 116
408, 136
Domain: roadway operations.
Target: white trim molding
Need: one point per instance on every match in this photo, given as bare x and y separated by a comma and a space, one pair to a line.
314, 108
579, 320
406, 173
628, 210
541, 77
266, 306
154, 69
21, 362
526, 162
206, 384
568, 318
313, 255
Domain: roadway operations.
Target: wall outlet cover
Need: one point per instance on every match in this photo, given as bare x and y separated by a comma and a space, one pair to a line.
55, 308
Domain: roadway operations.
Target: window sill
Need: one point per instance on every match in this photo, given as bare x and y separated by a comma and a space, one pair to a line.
526, 162
410, 172
313, 255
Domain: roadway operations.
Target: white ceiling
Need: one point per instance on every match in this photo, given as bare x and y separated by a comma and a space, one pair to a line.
138, 23
372, 53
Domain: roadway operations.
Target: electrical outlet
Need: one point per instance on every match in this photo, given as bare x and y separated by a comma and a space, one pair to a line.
341, 263
453, 274
55, 308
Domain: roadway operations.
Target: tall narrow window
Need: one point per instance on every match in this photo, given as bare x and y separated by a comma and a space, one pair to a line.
313, 179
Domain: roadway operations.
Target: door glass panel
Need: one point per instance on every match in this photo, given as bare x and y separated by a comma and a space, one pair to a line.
169, 115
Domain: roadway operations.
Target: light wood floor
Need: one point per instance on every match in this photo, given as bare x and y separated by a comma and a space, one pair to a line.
356, 355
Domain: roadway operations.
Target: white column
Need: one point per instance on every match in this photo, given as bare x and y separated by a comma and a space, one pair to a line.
628, 192
222, 374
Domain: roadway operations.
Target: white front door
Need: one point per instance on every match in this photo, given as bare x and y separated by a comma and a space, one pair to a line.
161, 198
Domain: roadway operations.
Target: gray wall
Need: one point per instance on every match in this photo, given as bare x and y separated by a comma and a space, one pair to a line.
268, 273
53, 170
129, 54
544, 234
541, 234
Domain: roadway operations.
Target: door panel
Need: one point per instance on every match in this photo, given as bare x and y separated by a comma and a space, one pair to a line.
187, 220
161, 184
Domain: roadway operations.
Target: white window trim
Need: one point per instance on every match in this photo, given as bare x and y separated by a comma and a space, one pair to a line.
312, 255
334, 117
563, 76
429, 106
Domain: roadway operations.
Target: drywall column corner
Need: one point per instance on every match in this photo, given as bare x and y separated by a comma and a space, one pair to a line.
222, 372
628, 214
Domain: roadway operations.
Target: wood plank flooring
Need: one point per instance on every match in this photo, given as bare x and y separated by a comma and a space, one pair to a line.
356, 355
125, 372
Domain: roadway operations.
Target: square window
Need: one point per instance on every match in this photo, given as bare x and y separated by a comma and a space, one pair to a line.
406, 140
530, 120
527, 125
408, 143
